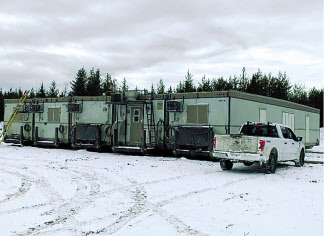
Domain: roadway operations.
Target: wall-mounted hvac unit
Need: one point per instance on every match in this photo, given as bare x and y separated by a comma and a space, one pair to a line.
23, 108
36, 108
74, 107
174, 106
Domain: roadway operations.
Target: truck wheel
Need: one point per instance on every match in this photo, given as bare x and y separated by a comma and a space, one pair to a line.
226, 164
247, 163
271, 166
301, 160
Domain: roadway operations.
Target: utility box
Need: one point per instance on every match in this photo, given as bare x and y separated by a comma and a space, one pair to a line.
74, 107
174, 106
116, 97
36, 108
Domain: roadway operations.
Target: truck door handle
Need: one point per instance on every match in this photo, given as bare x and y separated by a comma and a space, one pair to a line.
292, 143
285, 143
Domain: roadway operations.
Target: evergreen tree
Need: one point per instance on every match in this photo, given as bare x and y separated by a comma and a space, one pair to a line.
299, 94
109, 85
315, 99
152, 89
243, 82
32, 93
233, 83
20, 93
180, 88
64, 92
188, 83
78, 86
219, 84
205, 85
11, 94
124, 86
279, 86
160, 87
93, 83
53, 91
170, 90
41, 93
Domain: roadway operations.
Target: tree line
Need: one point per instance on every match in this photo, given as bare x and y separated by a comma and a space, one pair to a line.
92, 83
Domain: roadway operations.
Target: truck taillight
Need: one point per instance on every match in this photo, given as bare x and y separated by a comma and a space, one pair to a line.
214, 142
261, 144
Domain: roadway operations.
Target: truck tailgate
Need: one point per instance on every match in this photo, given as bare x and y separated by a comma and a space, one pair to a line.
236, 143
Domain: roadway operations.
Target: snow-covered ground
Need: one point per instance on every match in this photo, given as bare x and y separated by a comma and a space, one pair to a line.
67, 192
317, 151
1, 126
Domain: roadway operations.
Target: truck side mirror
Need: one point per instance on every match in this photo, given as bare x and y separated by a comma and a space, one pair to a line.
299, 138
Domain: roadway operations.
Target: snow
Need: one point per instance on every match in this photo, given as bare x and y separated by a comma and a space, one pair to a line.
318, 151
1, 126
68, 192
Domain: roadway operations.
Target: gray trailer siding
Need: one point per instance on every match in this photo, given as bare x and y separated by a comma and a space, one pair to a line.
246, 110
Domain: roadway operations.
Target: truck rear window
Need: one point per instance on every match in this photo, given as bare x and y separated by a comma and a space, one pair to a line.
260, 130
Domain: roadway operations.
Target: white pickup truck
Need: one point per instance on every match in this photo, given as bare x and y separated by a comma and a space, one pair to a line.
264, 143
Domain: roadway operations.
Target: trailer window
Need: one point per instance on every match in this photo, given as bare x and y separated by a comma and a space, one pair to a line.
260, 130
54, 115
136, 115
197, 114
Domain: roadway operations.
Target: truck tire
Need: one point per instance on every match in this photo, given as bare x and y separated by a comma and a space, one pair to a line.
247, 163
301, 159
226, 164
271, 165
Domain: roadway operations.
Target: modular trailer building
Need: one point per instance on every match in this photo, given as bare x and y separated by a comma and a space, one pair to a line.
183, 123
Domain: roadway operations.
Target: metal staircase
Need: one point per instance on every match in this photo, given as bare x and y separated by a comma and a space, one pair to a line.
151, 123
13, 116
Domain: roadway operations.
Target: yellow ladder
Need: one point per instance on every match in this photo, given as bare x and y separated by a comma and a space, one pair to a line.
12, 117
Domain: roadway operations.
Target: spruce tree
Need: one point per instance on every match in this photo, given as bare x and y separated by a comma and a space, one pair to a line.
124, 86
152, 89
32, 93
64, 92
109, 85
188, 83
160, 87
78, 86
94, 83
205, 85
53, 92
41, 93
180, 88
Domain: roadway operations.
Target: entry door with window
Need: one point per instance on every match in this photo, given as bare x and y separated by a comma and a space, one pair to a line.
136, 125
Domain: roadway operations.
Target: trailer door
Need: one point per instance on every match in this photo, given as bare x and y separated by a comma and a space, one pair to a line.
307, 130
136, 127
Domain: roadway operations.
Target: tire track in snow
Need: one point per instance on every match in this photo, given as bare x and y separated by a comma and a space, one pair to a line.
22, 190
196, 192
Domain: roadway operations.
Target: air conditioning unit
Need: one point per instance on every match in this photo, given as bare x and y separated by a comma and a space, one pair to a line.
174, 106
116, 97
74, 107
36, 108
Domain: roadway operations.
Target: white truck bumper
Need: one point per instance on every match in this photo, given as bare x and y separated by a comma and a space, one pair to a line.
240, 157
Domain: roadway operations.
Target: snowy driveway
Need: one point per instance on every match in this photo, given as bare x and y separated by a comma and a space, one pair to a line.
66, 192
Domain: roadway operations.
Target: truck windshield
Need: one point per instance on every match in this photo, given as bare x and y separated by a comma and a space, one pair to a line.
259, 130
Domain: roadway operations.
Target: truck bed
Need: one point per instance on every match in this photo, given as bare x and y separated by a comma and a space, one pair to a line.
236, 143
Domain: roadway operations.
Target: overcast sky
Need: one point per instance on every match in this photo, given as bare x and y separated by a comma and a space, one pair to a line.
145, 40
